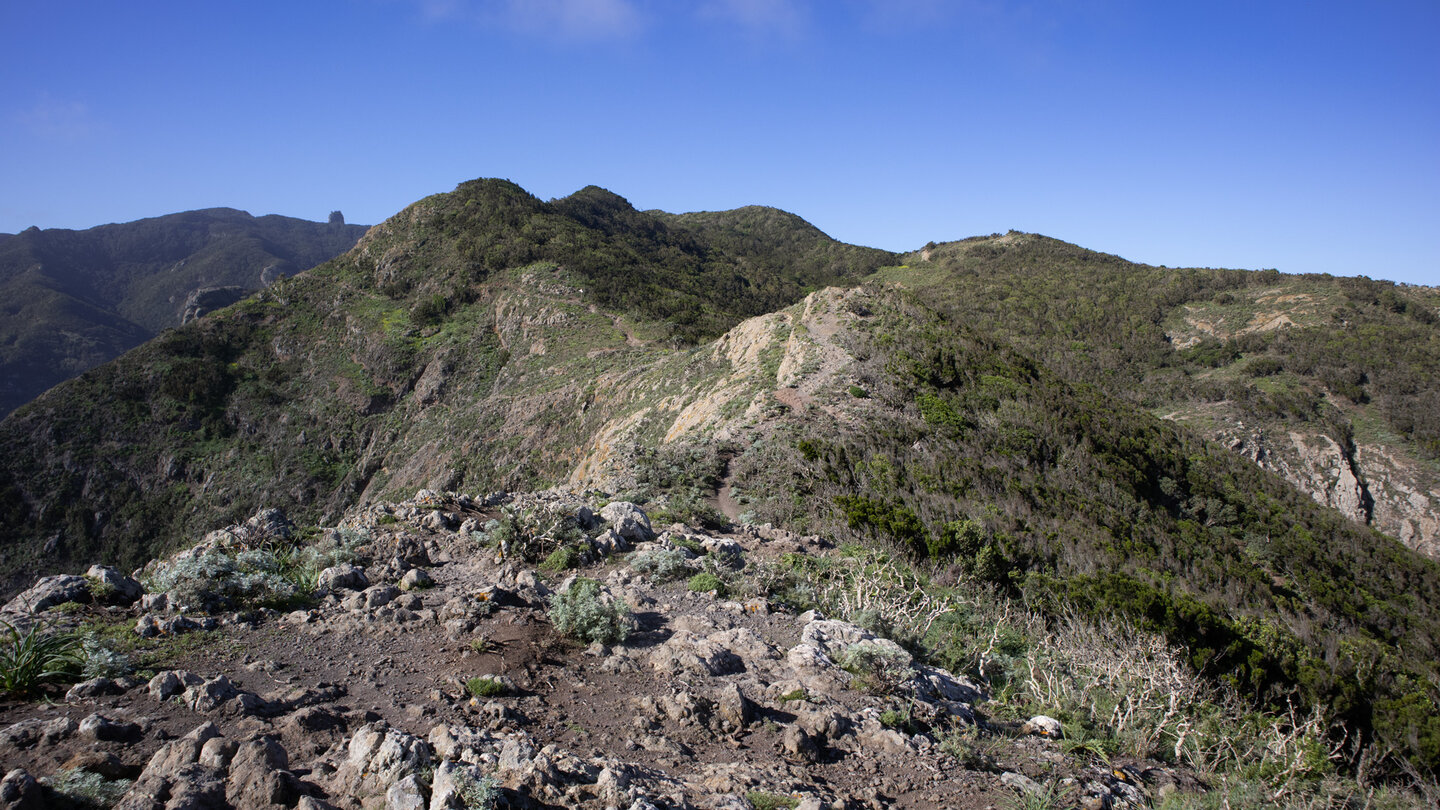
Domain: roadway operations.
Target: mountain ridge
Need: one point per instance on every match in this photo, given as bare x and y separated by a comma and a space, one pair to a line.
76, 298
485, 339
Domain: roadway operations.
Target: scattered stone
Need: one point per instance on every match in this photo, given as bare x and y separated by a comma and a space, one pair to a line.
1021, 782
1043, 726
92, 689
724, 684
151, 625
416, 579
112, 586
343, 577
101, 728
210, 695
170, 683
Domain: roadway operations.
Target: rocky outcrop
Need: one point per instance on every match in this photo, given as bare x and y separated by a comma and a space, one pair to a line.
49, 592
457, 692
208, 299
1315, 463
1407, 498
1372, 485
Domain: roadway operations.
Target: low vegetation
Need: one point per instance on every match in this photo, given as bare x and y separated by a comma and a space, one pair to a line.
1119, 690
36, 656
586, 613
483, 687
996, 435
977, 459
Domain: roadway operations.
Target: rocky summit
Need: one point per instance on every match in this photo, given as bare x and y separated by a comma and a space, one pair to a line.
430, 663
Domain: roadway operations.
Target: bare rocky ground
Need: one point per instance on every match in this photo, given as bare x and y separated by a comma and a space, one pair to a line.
360, 697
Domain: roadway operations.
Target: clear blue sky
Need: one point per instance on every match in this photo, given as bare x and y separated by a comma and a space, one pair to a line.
1303, 136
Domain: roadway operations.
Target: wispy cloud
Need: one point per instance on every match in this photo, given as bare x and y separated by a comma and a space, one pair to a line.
561, 19
56, 119
905, 14
762, 17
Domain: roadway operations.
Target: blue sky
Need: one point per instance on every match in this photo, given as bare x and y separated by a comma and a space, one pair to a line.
1303, 136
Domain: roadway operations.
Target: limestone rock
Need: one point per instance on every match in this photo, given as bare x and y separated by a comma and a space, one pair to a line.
628, 521
114, 586
20, 791
345, 577
48, 592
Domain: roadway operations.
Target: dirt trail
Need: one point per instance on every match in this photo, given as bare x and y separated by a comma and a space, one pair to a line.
725, 498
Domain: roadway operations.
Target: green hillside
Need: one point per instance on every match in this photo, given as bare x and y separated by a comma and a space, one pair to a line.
298, 396
957, 448
992, 409
75, 299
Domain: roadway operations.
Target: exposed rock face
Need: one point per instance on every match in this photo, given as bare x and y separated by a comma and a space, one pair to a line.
1375, 486
208, 299
1407, 501
1316, 464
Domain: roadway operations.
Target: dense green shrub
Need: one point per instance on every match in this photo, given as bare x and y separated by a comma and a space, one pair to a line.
706, 582
561, 559
877, 668
485, 687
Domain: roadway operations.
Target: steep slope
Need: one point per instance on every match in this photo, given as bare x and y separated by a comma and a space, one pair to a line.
869, 414
463, 341
1327, 381
487, 340
75, 299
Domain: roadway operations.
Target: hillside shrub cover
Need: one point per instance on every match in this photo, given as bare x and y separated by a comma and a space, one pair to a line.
1119, 689
1066, 498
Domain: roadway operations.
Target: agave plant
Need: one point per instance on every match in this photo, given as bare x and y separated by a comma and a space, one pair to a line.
33, 657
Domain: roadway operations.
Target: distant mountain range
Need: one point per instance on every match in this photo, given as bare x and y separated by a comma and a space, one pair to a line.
70, 300
1227, 457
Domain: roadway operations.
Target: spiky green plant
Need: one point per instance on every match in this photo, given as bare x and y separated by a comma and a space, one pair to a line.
33, 657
